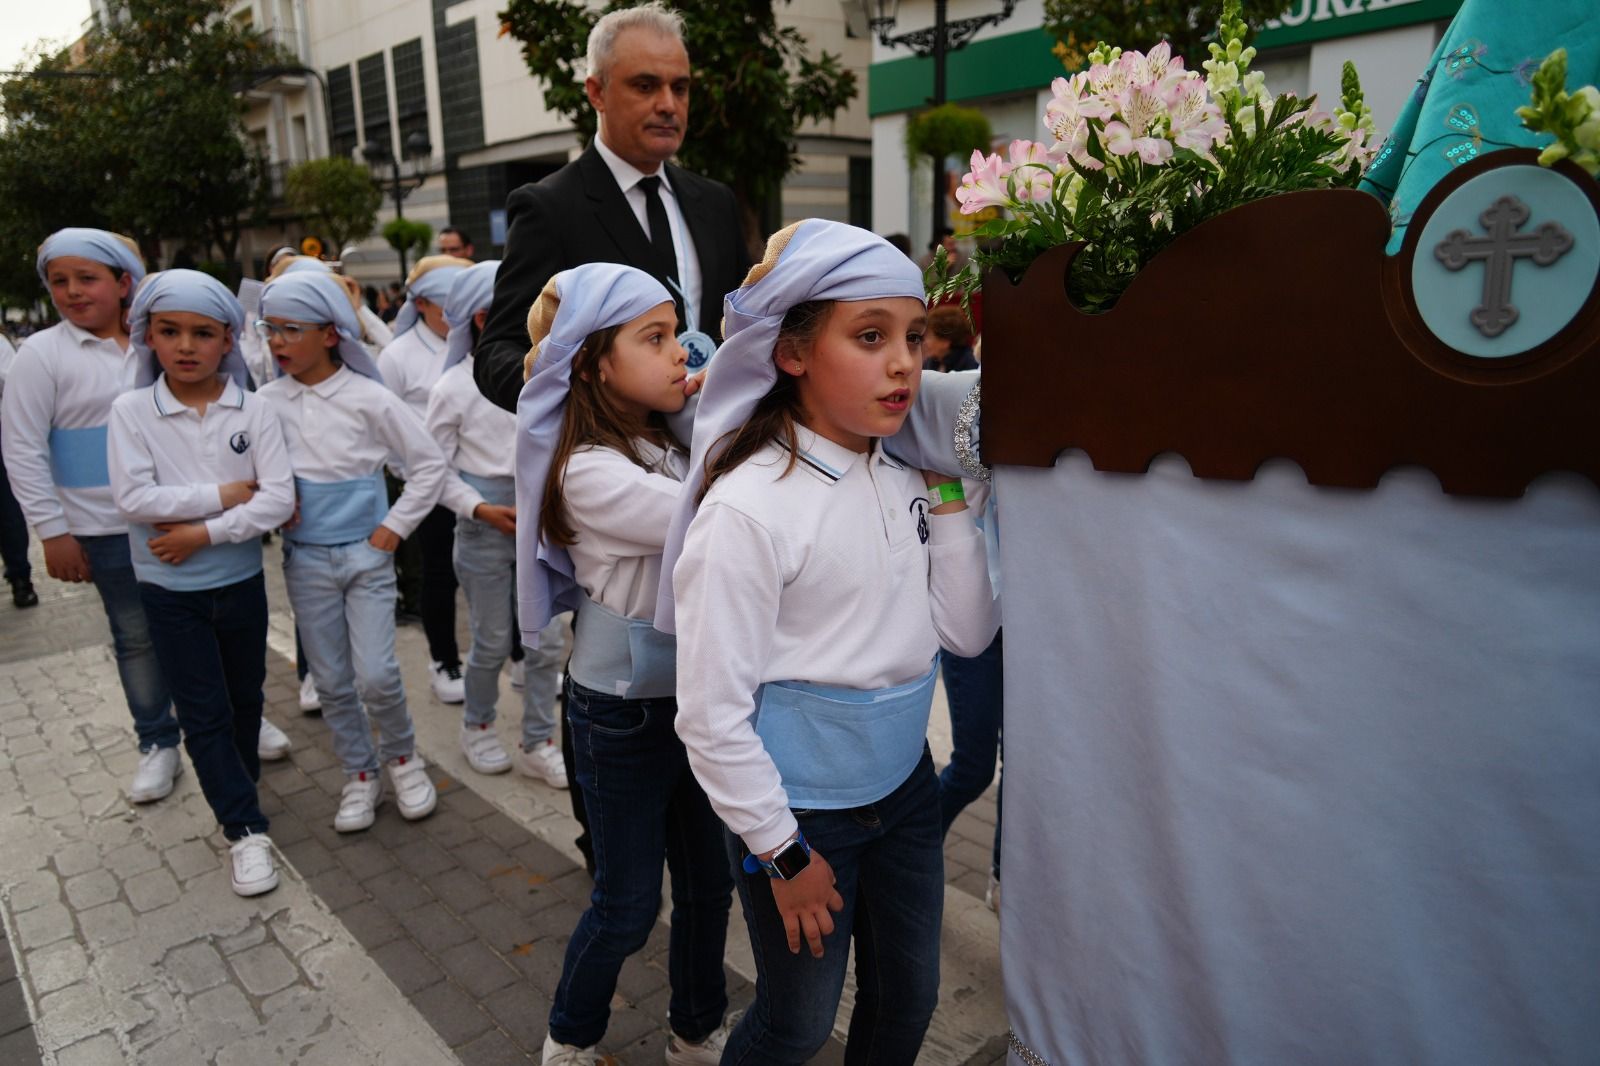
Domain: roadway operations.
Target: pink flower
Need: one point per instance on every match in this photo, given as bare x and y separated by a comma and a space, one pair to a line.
1032, 171
1121, 141
985, 185
1161, 69
1141, 105
1196, 121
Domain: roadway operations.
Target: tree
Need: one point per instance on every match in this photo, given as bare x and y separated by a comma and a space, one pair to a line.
139, 129
755, 84
1078, 25
337, 198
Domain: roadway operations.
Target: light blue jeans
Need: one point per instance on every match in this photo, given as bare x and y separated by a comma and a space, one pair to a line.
486, 568
343, 597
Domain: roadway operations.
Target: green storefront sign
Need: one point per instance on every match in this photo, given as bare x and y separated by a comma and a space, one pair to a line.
1018, 62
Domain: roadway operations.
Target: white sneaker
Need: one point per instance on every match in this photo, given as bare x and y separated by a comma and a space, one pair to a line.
413, 791
358, 803
543, 762
272, 743
254, 872
447, 684
566, 1055
158, 771
519, 673
483, 749
706, 1053
309, 700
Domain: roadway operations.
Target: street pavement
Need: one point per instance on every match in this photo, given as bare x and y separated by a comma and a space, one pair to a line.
438, 941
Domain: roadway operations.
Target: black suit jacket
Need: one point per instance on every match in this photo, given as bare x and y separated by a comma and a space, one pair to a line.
578, 215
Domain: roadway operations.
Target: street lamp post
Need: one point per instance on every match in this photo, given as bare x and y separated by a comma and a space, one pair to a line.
378, 156
936, 42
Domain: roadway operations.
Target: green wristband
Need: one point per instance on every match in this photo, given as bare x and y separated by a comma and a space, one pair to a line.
946, 492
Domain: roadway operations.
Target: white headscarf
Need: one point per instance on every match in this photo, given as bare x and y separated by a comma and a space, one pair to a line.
431, 281
192, 291
592, 297
100, 245
471, 292
311, 295
822, 261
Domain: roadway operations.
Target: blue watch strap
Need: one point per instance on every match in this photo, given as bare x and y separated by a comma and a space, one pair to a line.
753, 865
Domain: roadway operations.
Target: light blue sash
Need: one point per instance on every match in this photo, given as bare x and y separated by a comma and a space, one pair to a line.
843, 747
500, 491
622, 656
78, 458
213, 567
339, 512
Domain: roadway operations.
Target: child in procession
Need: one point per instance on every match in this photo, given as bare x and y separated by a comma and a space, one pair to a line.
199, 469
813, 580
341, 426
478, 441
57, 406
599, 475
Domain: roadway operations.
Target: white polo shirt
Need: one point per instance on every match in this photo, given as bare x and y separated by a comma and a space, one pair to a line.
411, 365
349, 427
621, 511
168, 461
64, 378
476, 436
836, 575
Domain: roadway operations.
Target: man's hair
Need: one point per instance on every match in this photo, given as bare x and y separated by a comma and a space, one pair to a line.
459, 232
653, 16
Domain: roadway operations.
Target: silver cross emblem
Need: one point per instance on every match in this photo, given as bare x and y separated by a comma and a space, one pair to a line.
1499, 252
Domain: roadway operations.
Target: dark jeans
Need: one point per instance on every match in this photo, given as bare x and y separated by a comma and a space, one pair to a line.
436, 537
975, 689
13, 533
644, 805
212, 644
111, 567
889, 866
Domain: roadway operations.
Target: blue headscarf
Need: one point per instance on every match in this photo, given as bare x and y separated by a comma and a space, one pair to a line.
822, 261
590, 297
434, 286
309, 295
185, 290
97, 244
472, 291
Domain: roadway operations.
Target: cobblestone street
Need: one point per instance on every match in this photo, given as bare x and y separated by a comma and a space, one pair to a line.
431, 942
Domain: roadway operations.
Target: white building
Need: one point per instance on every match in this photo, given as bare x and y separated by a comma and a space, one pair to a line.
1007, 69
385, 69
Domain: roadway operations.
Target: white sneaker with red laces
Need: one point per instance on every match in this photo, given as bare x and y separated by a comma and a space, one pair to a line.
543, 763
483, 749
413, 790
358, 804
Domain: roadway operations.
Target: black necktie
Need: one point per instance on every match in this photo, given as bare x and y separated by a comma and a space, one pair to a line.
655, 212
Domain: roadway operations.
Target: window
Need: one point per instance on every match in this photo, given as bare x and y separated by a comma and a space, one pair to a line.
410, 89
374, 101
342, 137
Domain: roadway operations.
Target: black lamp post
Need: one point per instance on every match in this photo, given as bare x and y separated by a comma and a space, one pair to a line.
936, 41
417, 150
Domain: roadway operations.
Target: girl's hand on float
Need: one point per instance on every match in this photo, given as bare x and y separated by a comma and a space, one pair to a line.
805, 902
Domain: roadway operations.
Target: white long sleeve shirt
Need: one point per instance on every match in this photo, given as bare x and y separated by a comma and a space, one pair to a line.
349, 426
621, 511
168, 461
476, 436
63, 378
411, 365
835, 575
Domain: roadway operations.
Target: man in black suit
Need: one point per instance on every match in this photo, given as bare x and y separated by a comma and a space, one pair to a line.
619, 202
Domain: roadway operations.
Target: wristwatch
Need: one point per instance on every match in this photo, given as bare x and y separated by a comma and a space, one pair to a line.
786, 863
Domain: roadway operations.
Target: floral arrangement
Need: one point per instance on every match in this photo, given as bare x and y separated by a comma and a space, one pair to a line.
1142, 150
1574, 118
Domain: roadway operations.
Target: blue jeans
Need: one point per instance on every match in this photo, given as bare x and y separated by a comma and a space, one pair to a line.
644, 805
137, 665
486, 567
343, 597
212, 644
888, 864
975, 689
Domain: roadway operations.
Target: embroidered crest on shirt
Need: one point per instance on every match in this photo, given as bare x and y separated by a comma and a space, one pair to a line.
239, 442
919, 507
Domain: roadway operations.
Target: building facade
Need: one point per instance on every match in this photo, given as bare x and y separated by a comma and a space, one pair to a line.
1007, 69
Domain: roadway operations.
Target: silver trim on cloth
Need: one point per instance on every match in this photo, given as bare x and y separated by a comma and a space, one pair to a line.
1014, 1042
966, 447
